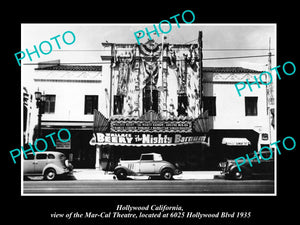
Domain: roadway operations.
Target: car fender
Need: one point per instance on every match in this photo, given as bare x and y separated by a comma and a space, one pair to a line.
57, 169
128, 171
245, 170
167, 165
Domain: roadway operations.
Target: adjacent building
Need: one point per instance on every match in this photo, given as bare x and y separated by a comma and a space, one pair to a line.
71, 93
237, 124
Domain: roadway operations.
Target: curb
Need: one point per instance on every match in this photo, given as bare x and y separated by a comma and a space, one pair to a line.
186, 175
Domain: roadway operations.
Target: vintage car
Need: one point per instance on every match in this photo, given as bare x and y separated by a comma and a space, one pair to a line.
149, 164
49, 164
261, 169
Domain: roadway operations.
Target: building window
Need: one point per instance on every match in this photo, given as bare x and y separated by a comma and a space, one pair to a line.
182, 105
209, 103
49, 104
91, 103
150, 99
118, 104
251, 106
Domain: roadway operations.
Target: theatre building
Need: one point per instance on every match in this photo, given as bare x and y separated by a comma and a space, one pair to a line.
153, 97
155, 105
163, 100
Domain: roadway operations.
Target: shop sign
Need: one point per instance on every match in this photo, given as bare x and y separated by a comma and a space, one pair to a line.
63, 145
151, 126
145, 139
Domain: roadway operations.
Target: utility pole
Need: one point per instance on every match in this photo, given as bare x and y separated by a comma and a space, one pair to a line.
200, 43
112, 53
270, 94
270, 54
270, 86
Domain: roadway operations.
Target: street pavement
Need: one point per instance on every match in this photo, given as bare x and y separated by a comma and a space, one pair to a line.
92, 174
85, 181
148, 187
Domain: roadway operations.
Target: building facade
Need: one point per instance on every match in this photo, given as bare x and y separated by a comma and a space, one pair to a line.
153, 98
72, 92
237, 124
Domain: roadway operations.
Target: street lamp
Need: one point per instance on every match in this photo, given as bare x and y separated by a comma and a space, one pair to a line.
40, 103
38, 95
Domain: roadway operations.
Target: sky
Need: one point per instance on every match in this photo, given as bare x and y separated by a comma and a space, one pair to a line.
90, 36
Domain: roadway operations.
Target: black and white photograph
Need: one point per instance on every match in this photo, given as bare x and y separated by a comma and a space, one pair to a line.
122, 109
148, 113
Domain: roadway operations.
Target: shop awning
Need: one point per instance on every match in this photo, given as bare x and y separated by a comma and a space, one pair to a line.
235, 141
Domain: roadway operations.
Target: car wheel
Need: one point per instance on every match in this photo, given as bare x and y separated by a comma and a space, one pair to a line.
50, 174
236, 174
167, 174
121, 174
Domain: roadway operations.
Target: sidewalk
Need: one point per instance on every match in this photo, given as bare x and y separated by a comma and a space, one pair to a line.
93, 174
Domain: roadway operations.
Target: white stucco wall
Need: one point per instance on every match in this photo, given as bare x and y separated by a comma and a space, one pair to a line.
70, 88
230, 107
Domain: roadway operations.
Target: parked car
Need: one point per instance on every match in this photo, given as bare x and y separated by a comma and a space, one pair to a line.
264, 169
149, 164
49, 164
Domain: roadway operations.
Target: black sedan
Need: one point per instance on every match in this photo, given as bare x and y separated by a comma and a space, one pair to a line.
258, 168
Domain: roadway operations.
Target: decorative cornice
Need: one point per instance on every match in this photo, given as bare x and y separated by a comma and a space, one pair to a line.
231, 77
67, 81
71, 68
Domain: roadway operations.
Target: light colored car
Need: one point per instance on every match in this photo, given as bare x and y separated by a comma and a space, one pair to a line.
49, 164
149, 164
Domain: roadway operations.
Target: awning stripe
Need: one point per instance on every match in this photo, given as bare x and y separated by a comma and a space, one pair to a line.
235, 141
